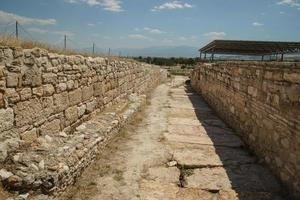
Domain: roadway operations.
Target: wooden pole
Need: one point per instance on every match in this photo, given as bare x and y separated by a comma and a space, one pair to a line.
93, 48
282, 57
65, 42
17, 30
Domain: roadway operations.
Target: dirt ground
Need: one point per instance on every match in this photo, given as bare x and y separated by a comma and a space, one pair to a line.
176, 148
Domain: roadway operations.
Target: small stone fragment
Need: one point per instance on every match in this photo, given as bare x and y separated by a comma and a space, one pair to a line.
172, 163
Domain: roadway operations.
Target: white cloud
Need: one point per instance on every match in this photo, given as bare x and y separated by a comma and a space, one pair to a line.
182, 38
110, 5
291, 3
61, 33
215, 35
153, 30
167, 41
257, 24
43, 31
6, 17
37, 30
172, 5
138, 37
91, 24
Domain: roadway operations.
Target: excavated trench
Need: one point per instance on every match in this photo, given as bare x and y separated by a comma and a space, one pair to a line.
176, 148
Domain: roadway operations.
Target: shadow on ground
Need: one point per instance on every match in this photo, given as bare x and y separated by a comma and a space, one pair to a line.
240, 170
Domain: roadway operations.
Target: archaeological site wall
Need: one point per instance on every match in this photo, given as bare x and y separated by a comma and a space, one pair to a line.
261, 100
45, 97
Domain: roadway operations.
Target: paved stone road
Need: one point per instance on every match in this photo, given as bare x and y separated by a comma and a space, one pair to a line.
180, 150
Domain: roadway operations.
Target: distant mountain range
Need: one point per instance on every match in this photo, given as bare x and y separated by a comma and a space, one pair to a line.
156, 51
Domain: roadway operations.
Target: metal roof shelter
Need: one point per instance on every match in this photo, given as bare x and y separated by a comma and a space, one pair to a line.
251, 48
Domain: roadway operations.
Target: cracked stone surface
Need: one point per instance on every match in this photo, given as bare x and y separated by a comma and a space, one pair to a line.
210, 160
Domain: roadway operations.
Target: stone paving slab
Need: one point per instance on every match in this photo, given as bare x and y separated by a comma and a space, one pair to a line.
154, 190
184, 121
164, 174
249, 177
198, 130
203, 139
190, 113
209, 156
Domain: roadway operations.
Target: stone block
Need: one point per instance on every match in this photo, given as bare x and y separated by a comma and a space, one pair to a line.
81, 110
50, 128
293, 93
87, 93
70, 84
61, 101
27, 112
29, 136
71, 114
292, 77
12, 79
75, 97
32, 77
50, 78
2, 102
12, 95
48, 89
99, 89
25, 94
38, 91
61, 87
48, 105
91, 106
6, 119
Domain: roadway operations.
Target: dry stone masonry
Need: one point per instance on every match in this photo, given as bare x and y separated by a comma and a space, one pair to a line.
46, 103
262, 102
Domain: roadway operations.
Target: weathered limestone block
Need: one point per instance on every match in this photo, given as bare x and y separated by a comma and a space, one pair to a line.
91, 106
70, 84
28, 112
12, 95
99, 89
2, 69
293, 77
48, 105
75, 97
87, 93
25, 94
32, 77
38, 91
29, 136
293, 93
50, 78
48, 90
50, 128
61, 101
61, 87
12, 79
71, 114
6, 119
2, 102
81, 110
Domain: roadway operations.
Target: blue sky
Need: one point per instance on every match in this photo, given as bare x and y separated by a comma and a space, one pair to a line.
146, 23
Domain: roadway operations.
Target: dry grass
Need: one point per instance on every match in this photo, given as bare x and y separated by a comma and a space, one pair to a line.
7, 40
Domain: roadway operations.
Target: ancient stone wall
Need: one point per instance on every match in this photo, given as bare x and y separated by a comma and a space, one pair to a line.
262, 102
45, 95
